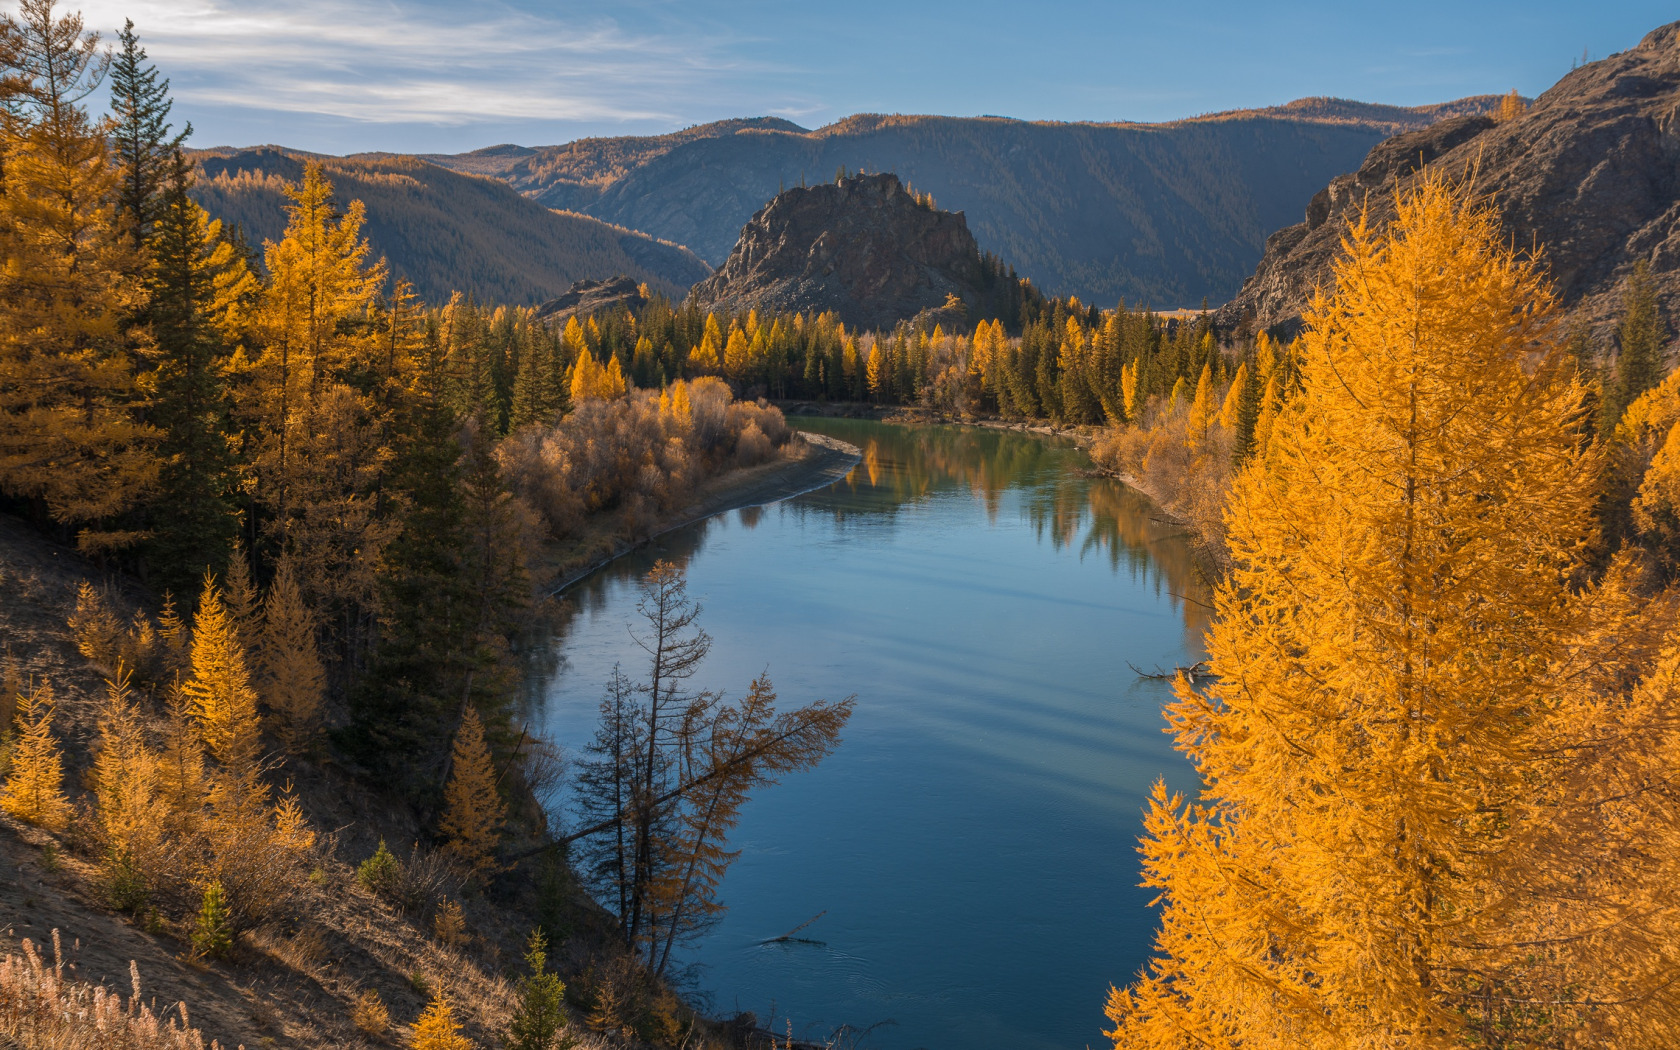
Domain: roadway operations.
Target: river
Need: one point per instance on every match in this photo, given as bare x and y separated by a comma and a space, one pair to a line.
972, 844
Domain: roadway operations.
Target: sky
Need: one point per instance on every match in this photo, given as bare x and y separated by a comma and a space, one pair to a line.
422, 76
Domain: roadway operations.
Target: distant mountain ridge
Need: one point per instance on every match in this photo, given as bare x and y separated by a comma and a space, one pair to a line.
445, 231
1161, 213
1590, 173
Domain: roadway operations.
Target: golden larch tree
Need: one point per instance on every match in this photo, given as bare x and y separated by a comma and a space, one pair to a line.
68, 279
127, 788
220, 686
437, 1029
34, 790
473, 810
1382, 656
294, 681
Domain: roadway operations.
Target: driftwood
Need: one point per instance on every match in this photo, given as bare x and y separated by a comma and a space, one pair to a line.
788, 936
1199, 669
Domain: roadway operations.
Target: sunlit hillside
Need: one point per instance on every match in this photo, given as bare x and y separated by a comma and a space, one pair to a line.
444, 231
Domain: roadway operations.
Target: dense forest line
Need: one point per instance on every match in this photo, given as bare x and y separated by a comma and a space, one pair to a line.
310, 472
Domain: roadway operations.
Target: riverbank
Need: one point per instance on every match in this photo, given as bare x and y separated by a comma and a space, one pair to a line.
807, 462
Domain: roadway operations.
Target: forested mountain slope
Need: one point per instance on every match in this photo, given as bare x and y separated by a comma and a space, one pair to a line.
1164, 213
445, 231
1590, 173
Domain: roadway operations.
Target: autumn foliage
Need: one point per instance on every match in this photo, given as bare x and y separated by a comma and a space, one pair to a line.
1394, 840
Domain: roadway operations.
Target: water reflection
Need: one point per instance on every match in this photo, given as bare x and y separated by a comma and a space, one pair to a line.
972, 844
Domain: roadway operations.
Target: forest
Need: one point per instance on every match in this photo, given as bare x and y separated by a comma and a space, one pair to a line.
1437, 806
330, 496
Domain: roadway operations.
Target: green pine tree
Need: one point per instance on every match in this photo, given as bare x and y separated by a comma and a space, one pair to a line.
538, 1021
1640, 364
194, 521
140, 104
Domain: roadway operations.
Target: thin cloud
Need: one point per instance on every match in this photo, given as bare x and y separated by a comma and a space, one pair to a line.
380, 61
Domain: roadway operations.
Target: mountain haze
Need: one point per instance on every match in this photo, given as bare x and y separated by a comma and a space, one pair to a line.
1160, 213
444, 231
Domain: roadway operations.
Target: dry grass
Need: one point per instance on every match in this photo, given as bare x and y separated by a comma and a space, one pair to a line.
42, 1010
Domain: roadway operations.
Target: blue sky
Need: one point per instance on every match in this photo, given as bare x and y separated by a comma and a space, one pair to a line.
342, 76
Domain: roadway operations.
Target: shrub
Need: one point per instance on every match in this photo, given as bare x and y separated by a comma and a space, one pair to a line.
381, 875
449, 924
213, 933
369, 1015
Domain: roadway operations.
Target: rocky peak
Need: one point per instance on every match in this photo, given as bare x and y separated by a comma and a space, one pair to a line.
863, 247
1590, 173
587, 297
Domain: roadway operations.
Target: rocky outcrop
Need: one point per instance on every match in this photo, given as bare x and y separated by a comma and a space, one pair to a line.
587, 297
1590, 174
863, 247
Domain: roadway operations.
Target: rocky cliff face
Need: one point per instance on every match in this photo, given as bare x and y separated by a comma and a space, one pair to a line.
1591, 173
862, 247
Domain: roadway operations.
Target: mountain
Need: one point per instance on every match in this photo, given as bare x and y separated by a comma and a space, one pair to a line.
445, 231
1591, 173
1161, 213
862, 247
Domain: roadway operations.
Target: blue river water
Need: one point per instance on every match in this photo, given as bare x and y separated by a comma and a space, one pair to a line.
971, 846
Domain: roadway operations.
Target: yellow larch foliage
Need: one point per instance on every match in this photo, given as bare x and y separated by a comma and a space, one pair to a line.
1232, 405
34, 789
181, 776
1177, 396
97, 630
613, 384
220, 686
436, 1029
1201, 409
872, 370
584, 382
706, 359
126, 784
239, 597
69, 282
1271, 403
1129, 390
473, 810
1382, 659
736, 353
293, 680
1511, 106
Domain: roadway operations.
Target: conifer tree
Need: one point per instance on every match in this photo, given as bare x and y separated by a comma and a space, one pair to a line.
539, 1017
34, 789
436, 1029
144, 148
294, 682
181, 775
212, 935
1383, 661
473, 809
193, 516
219, 689
68, 436
1640, 363
127, 789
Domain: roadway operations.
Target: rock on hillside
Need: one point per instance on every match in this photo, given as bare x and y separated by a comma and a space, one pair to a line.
1591, 173
1160, 213
445, 231
588, 297
863, 247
